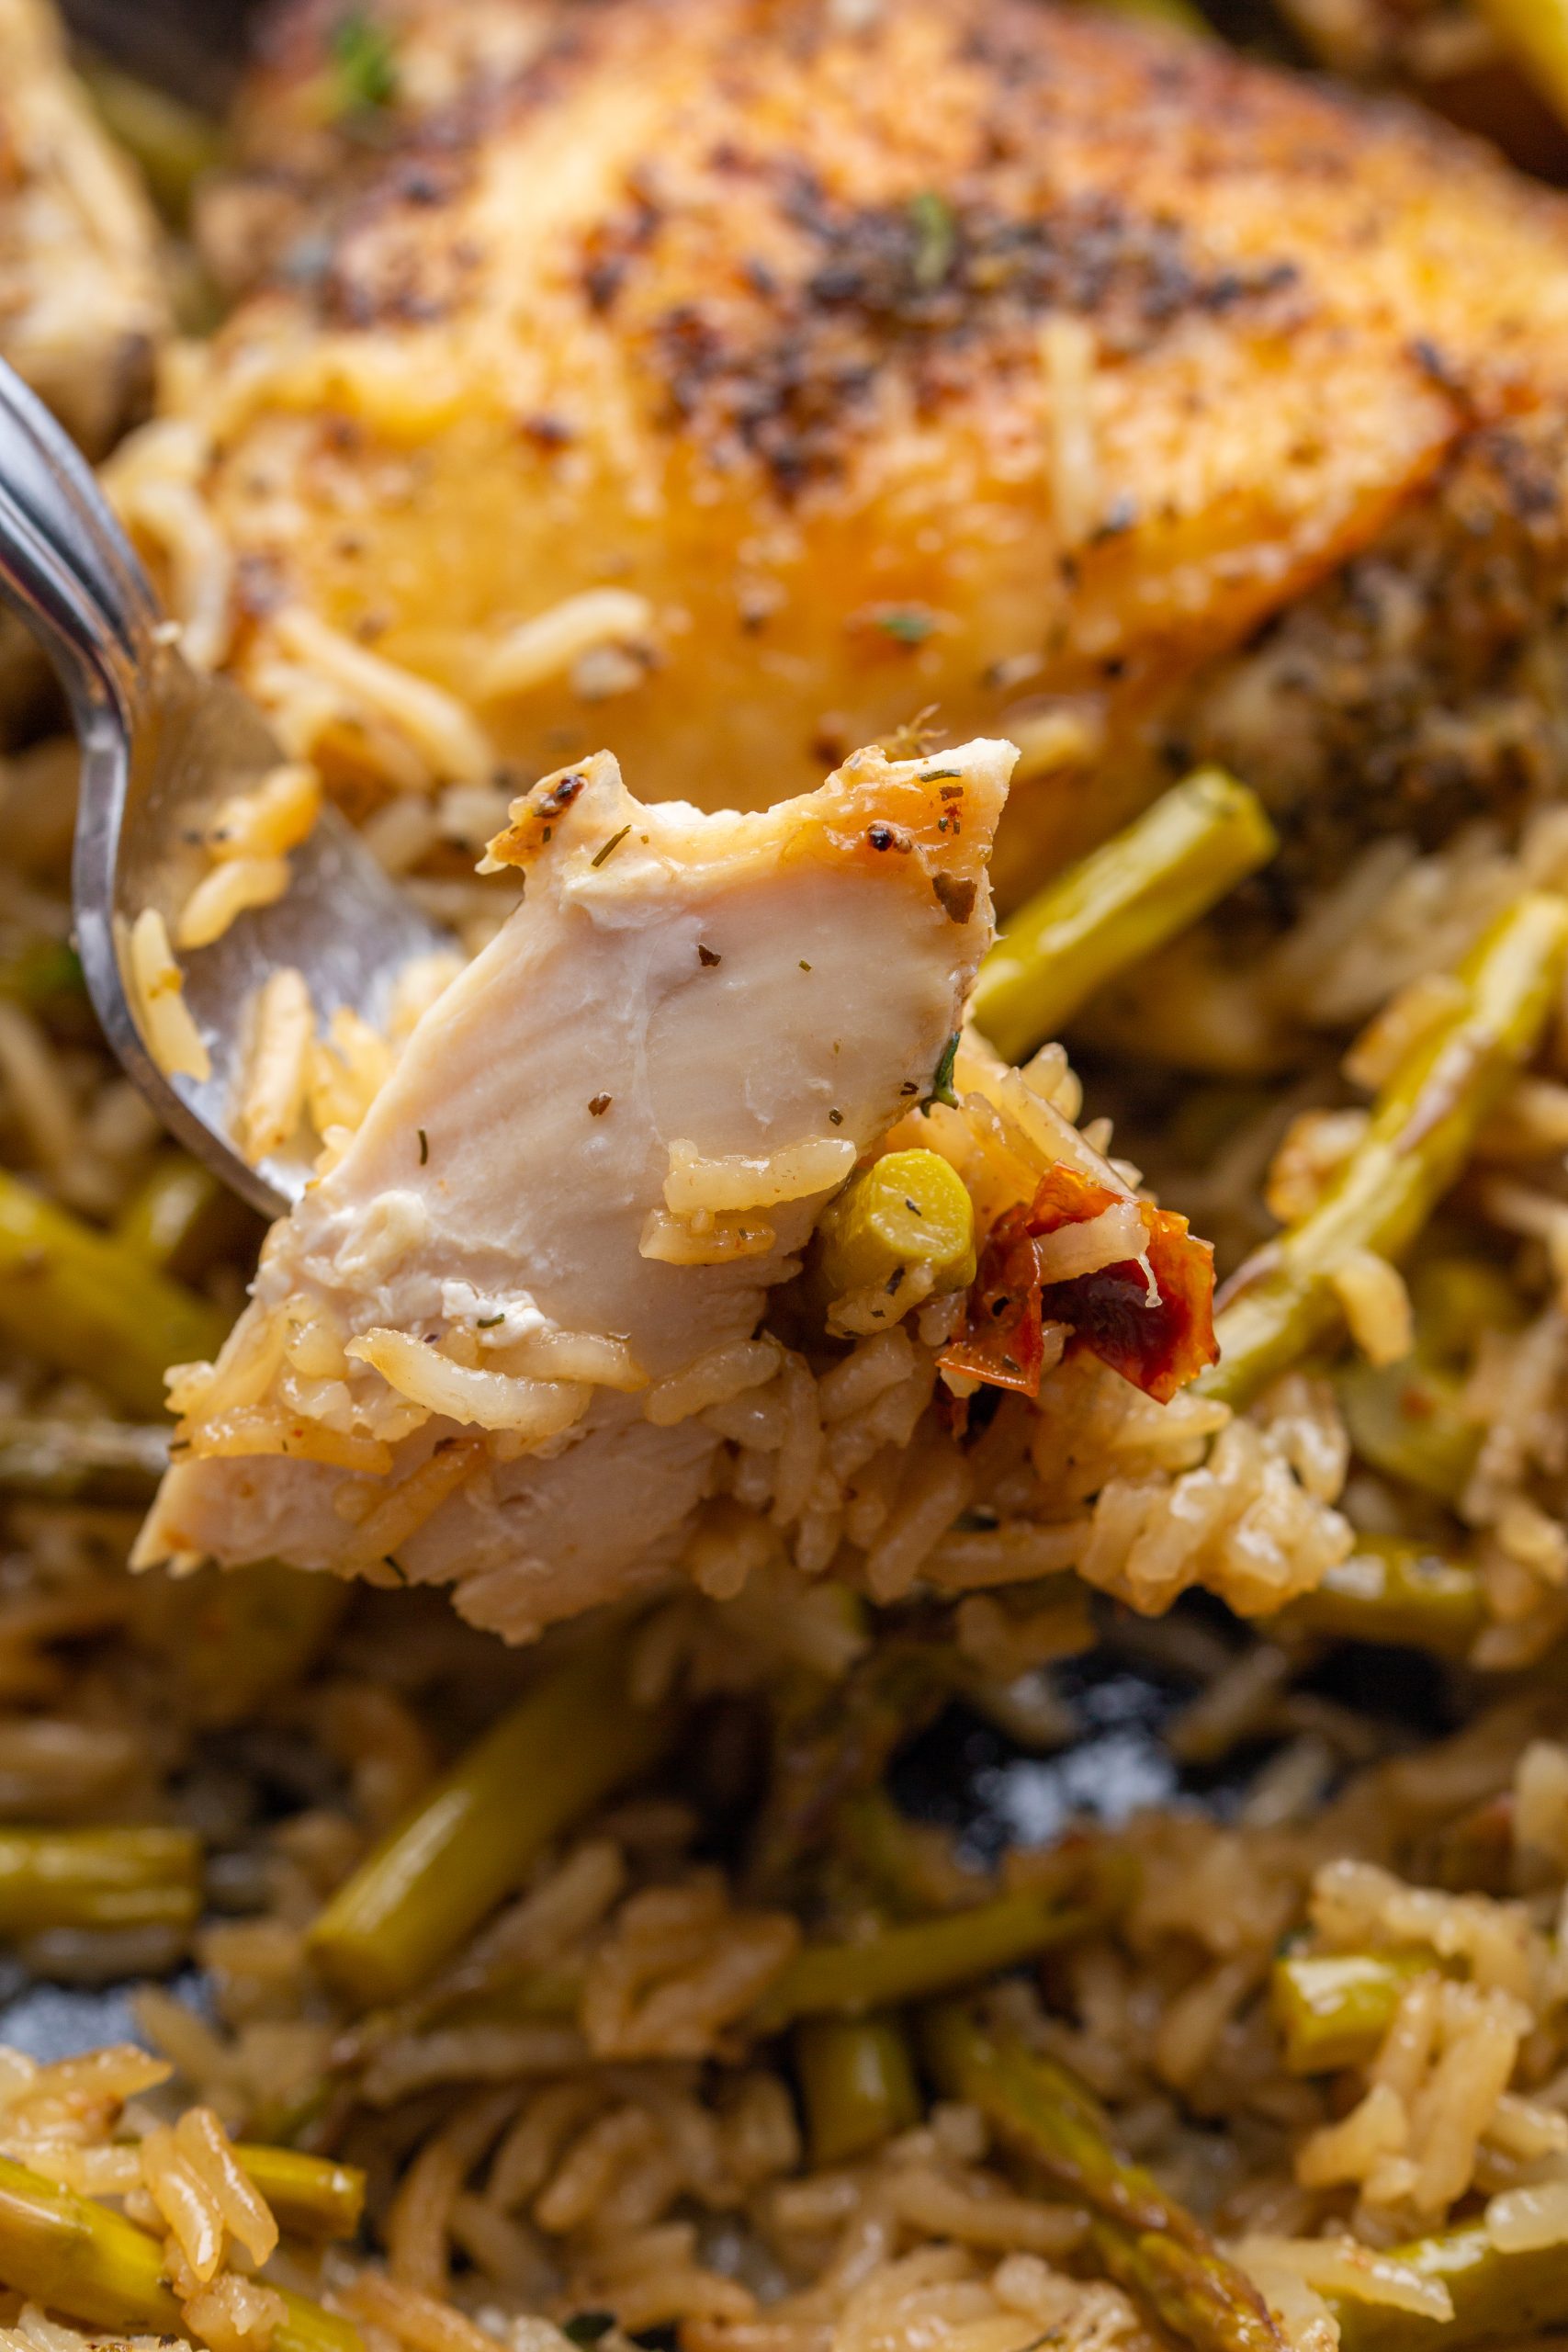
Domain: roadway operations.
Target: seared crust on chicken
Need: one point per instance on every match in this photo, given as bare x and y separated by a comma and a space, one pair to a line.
958, 352
81, 307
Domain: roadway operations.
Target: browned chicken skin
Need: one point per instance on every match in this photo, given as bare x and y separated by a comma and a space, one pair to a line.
1088, 383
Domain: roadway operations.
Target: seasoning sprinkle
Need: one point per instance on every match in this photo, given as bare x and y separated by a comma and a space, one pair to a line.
942, 1081
423, 1148
489, 1322
599, 1105
708, 957
909, 624
603, 856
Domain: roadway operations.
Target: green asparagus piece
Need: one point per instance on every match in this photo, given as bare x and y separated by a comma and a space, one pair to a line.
1535, 32
913, 1962
1332, 2008
1458, 1299
312, 2196
1389, 1590
97, 1462
306, 2328
1118, 905
177, 1215
97, 1878
857, 2080
1176, 15
832, 1740
88, 1304
239, 1633
566, 1744
1423, 1127
1151, 2245
82, 2258
41, 973
1496, 2295
173, 143
1407, 1419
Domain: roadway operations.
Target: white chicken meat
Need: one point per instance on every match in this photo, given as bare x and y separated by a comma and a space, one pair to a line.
478, 1350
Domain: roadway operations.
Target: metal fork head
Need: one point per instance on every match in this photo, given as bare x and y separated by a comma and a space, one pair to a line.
162, 746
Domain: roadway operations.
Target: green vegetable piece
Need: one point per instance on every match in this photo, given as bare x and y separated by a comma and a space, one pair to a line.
41, 973
1175, 13
88, 1304
174, 1214
97, 1878
936, 239
1496, 2295
1458, 1299
1116, 905
173, 143
365, 63
914, 1961
857, 2080
83, 2259
1535, 32
1423, 1127
239, 1634
910, 1209
1149, 2243
1406, 1418
1332, 2008
79, 2257
306, 2328
1394, 1591
312, 2197
568, 1743
70, 1461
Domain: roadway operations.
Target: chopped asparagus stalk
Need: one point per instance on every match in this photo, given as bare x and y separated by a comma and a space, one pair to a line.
1506, 2297
1536, 34
79, 2257
239, 1633
173, 143
568, 1743
1150, 2245
1394, 1591
95, 1462
1332, 2008
1118, 905
1423, 1127
906, 1211
925, 1957
97, 1878
86, 1304
832, 1740
1407, 1419
1458, 1299
857, 2080
312, 2196
306, 2328
1175, 13
175, 1215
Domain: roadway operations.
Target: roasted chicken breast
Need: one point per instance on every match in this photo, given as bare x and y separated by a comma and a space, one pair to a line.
727, 381
480, 1347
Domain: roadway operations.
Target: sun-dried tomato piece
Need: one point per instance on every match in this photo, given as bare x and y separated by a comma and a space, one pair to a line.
1158, 1339
1003, 1339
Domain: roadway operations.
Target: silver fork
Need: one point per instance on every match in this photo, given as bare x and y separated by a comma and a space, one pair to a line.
161, 747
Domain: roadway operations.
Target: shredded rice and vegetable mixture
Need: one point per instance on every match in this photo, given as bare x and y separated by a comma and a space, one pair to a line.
1075, 1850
